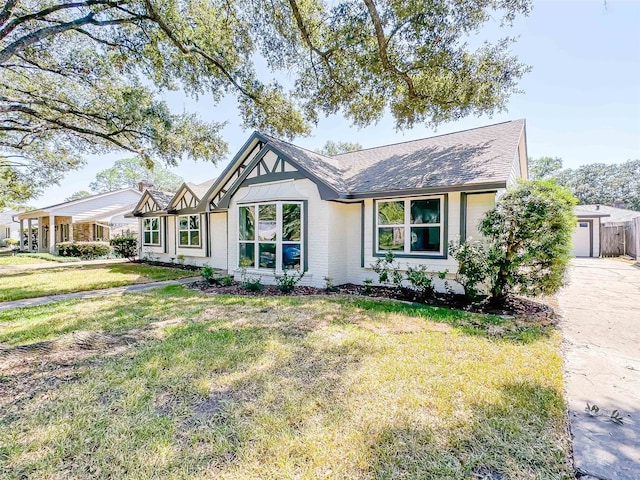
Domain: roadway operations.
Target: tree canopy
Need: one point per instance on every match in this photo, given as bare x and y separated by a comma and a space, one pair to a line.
88, 76
332, 148
128, 172
594, 183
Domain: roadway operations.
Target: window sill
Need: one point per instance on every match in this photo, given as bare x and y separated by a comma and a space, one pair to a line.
434, 256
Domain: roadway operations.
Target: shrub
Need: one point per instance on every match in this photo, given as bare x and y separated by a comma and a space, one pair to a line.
84, 249
125, 246
226, 281
388, 271
472, 266
287, 281
529, 240
367, 286
252, 284
10, 242
329, 285
421, 281
209, 274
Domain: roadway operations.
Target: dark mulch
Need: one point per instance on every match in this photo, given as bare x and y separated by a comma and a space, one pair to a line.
514, 306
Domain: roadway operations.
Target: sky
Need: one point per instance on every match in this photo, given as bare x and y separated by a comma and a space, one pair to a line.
581, 99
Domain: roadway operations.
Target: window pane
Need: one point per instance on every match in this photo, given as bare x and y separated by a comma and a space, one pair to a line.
184, 238
391, 238
194, 222
291, 255
247, 254
155, 238
267, 255
391, 213
147, 237
425, 211
425, 239
154, 224
247, 222
183, 223
146, 223
291, 222
267, 222
195, 238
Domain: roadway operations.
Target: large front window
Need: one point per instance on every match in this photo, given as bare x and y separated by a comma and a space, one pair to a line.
151, 231
410, 226
270, 235
189, 230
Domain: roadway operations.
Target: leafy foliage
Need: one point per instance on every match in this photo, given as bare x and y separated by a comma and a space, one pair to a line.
287, 281
594, 183
125, 246
473, 269
388, 270
332, 148
128, 172
83, 249
88, 76
208, 273
529, 239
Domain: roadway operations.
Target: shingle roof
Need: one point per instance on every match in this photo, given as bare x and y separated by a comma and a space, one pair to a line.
200, 189
614, 214
479, 155
162, 198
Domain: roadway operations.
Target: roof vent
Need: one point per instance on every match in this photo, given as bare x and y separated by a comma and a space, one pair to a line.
597, 207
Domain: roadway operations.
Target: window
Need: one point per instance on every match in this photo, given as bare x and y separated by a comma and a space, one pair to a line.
98, 232
7, 232
270, 235
410, 226
151, 231
189, 230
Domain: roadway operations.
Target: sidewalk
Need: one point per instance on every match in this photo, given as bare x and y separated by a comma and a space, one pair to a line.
30, 302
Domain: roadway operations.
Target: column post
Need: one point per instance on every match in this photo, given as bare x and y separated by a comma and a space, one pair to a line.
21, 234
52, 233
29, 236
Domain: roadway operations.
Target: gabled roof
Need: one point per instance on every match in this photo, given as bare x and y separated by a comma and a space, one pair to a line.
161, 198
613, 214
200, 189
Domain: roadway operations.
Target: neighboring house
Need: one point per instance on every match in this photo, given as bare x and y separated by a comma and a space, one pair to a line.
588, 236
96, 217
8, 227
278, 206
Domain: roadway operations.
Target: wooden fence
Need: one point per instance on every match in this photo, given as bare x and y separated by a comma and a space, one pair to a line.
621, 239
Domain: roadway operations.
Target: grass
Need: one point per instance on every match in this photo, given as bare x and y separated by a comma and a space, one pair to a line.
20, 284
273, 388
50, 257
8, 260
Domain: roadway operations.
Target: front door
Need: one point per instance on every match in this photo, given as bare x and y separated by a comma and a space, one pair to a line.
582, 239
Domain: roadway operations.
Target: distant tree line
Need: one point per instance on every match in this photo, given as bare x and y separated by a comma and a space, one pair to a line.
593, 183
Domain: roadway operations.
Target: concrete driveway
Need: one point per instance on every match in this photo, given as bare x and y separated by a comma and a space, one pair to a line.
601, 328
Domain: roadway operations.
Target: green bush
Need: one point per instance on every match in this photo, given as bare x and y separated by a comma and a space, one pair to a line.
287, 281
226, 281
472, 266
125, 246
250, 283
84, 249
367, 286
528, 242
388, 271
10, 242
420, 281
209, 274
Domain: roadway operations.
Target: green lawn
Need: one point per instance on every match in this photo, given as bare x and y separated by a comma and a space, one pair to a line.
174, 384
7, 260
19, 284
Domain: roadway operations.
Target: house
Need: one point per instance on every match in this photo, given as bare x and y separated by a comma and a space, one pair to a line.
9, 228
588, 237
96, 217
279, 206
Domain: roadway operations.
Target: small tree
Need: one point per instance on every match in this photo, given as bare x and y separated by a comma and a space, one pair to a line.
125, 246
529, 233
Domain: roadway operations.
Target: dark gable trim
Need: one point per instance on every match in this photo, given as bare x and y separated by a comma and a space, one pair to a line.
326, 192
445, 234
411, 192
222, 179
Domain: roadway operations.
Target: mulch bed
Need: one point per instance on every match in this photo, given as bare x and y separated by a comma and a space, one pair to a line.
518, 307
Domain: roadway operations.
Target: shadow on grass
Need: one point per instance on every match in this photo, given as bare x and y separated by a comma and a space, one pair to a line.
218, 393
489, 326
521, 435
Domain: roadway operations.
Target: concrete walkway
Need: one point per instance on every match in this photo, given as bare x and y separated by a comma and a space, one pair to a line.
30, 302
52, 264
601, 329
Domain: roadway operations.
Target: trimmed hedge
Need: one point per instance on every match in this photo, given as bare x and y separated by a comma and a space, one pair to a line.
125, 246
84, 249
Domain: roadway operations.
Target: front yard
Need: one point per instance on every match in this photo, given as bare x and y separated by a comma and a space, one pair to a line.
176, 384
19, 284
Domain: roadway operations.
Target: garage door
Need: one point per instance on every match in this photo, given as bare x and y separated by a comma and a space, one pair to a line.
582, 240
